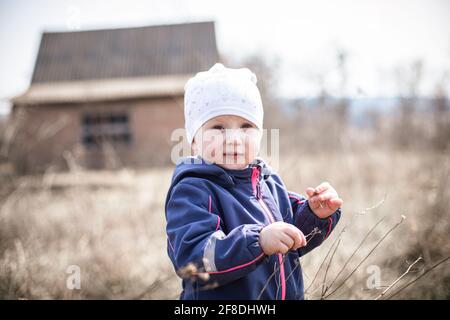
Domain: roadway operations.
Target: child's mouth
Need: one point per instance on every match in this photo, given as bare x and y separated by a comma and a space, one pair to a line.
235, 154
233, 157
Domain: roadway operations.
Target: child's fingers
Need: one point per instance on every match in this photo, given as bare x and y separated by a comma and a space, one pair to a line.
326, 196
336, 202
303, 240
322, 187
297, 236
282, 248
323, 197
310, 191
298, 240
287, 240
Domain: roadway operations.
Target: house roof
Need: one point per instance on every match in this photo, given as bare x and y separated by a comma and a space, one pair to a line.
119, 63
124, 53
102, 90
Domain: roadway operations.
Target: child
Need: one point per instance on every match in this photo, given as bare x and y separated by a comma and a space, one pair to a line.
234, 231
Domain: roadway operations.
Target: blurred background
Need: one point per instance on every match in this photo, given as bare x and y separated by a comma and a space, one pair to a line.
91, 91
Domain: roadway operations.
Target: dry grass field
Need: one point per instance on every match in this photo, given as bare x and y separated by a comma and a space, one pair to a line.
111, 225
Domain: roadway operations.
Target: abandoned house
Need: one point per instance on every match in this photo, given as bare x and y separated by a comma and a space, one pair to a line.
108, 98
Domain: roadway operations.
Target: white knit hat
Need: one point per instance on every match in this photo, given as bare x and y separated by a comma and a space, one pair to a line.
221, 91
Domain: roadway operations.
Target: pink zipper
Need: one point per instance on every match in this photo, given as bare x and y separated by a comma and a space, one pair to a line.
257, 188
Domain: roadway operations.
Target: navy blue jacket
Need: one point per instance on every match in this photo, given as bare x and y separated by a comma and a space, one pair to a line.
214, 217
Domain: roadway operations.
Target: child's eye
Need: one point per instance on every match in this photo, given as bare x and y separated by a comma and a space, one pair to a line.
218, 127
246, 126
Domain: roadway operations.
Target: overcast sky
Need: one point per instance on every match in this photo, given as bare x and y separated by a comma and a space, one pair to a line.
378, 35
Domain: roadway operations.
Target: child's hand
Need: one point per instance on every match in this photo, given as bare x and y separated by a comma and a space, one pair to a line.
323, 200
280, 237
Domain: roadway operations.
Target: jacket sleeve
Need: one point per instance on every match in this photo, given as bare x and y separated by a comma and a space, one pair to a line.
198, 244
306, 220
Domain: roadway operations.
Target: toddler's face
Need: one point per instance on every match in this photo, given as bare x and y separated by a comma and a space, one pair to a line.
229, 141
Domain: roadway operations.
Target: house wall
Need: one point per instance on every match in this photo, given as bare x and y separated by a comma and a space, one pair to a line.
51, 135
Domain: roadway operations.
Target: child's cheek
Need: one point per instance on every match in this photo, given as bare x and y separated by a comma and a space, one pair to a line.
209, 151
209, 146
254, 144
251, 149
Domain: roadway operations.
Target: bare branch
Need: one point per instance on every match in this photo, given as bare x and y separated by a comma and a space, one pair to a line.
368, 255
356, 250
361, 213
398, 279
423, 274
325, 288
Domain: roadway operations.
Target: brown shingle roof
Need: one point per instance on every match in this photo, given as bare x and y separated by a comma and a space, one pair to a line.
126, 53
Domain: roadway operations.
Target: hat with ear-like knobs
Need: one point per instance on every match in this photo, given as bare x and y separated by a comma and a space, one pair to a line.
221, 91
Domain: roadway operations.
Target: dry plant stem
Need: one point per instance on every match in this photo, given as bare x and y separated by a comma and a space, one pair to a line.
367, 256
323, 262
423, 274
354, 252
363, 212
398, 279
320, 286
299, 258
156, 284
324, 287
205, 288
270, 278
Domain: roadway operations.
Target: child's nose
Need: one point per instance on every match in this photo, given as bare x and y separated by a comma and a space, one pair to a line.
234, 136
